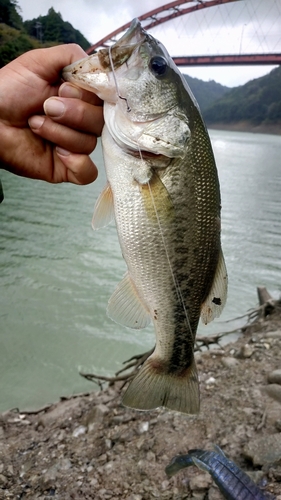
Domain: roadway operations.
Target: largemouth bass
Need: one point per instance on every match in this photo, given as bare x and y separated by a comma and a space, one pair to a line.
163, 192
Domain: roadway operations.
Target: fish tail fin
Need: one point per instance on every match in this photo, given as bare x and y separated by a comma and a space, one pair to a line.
152, 388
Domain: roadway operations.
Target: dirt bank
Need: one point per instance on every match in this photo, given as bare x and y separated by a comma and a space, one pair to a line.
90, 447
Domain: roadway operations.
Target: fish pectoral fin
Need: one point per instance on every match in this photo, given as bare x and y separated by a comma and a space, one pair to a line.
125, 307
152, 388
157, 200
104, 209
215, 302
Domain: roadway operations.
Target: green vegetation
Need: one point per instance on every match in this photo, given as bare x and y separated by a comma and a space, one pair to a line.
9, 13
17, 37
206, 93
13, 42
52, 28
258, 102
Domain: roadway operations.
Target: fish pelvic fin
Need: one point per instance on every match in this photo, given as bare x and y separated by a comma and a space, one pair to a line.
104, 209
153, 387
215, 302
125, 306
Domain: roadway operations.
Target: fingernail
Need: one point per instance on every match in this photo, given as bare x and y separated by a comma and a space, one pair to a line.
67, 90
54, 107
62, 151
35, 122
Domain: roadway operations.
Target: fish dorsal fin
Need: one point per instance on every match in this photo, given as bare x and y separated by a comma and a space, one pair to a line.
104, 210
215, 302
125, 306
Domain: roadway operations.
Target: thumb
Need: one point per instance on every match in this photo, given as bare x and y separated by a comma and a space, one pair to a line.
79, 168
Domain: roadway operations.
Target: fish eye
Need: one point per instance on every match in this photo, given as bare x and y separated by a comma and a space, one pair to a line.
158, 65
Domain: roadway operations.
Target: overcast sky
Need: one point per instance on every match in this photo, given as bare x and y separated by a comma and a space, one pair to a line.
247, 26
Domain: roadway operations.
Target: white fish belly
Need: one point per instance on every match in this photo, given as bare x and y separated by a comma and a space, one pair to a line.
148, 250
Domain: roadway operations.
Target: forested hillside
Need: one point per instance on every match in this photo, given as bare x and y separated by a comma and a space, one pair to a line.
206, 93
257, 103
16, 36
52, 28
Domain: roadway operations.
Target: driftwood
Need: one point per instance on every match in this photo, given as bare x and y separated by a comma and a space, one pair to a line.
267, 305
263, 295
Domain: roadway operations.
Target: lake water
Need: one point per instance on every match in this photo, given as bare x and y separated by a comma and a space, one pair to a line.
57, 274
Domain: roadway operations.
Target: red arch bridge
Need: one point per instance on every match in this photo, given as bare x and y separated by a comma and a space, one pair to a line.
175, 9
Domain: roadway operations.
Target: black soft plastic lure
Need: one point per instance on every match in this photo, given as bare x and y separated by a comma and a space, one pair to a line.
232, 481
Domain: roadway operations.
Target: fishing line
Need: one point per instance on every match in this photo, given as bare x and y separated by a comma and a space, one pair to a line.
177, 287
115, 79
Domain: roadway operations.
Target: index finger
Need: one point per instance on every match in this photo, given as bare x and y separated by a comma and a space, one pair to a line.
71, 91
55, 59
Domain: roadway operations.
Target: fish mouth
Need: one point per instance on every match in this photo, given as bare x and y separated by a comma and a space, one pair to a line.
106, 60
122, 50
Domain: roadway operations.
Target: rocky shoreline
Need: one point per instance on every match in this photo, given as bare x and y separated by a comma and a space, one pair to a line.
90, 447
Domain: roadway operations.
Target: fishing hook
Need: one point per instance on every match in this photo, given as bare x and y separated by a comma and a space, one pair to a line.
115, 79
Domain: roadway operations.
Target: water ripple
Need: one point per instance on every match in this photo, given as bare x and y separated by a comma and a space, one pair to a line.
57, 274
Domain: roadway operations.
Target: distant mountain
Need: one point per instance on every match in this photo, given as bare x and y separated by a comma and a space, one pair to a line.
206, 93
256, 104
52, 28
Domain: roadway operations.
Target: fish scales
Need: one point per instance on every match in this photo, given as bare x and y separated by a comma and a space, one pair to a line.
163, 189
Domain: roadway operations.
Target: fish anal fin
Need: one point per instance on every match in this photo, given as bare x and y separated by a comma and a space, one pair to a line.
152, 388
215, 302
104, 209
125, 307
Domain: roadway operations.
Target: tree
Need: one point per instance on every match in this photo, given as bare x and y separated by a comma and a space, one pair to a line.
9, 13
54, 29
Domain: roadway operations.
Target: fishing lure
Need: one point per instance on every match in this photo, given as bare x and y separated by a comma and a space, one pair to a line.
231, 480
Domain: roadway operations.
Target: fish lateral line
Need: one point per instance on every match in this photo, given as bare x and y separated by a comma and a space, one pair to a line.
176, 284
161, 367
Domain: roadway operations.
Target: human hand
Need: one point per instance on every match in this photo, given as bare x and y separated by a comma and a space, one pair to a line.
53, 146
